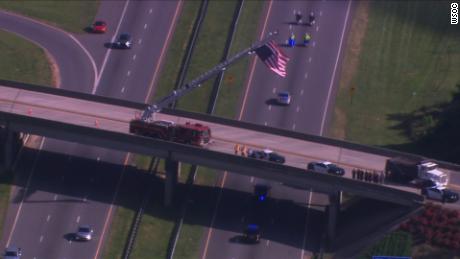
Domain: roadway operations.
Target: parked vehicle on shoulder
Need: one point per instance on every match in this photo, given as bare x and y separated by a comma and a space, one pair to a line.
266, 154
84, 233
284, 98
99, 27
326, 167
440, 194
12, 253
124, 41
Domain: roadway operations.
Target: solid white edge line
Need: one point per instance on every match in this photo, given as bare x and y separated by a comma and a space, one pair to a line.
335, 69
106, 57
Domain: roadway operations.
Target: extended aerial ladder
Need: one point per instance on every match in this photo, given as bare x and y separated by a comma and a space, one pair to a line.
196, 83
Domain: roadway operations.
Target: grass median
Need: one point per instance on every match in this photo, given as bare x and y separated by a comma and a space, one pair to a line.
25, 62
72, 16
399, 85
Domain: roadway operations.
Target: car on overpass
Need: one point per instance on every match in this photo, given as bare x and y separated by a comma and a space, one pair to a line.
12, 253
326, 167
266, 154
441, 194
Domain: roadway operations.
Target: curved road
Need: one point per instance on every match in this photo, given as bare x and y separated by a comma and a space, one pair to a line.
80, 186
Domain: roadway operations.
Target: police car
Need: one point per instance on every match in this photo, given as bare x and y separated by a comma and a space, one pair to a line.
326, 167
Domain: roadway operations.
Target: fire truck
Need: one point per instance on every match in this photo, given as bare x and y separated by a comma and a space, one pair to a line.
193, 134
188, 133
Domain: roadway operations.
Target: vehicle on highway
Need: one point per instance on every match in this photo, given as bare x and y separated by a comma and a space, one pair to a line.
188, 133
441, 194
423, 183
99, 27
12, 253
405, 170
252, 233
261, 192
284, 98
124, 41
266, 154
326, 167
84, 233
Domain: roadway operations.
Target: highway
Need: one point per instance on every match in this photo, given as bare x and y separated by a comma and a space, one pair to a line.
311, 76
71, 191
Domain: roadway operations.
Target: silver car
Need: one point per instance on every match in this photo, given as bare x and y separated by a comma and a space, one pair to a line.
84, 233
12, 253
284, 98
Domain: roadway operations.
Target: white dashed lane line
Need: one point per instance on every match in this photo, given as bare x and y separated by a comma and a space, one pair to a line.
134, 57
274, 90
128, 73
297, 109
139, 41
123, 90
55, 197
269, 107
48, 218
317, 28
309, 60
78, 219
41, 238
306, 76
145, 26
265, 123
150, 11
301, 92
313, 43
267, 243
320, 13
293, 126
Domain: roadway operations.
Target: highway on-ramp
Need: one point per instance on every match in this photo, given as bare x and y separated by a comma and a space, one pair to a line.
62, 194
311, 79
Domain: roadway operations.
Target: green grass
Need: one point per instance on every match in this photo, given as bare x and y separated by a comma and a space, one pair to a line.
118, 233
23, 61
71, 15
408, 59
5, 189
394, 244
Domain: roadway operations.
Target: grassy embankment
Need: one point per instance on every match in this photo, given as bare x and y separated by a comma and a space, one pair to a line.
72, 16
25, 62
399, 84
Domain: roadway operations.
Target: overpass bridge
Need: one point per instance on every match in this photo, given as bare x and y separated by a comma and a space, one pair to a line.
104, 122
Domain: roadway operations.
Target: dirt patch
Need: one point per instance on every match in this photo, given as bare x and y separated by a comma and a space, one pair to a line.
351, 62
55, 75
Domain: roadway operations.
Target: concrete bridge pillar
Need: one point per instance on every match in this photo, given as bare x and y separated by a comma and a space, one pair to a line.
333, 211
172, 171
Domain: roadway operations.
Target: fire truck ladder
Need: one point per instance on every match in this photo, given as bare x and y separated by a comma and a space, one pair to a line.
196, 83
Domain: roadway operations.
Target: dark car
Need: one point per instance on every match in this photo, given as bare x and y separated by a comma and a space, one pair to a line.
440, 194
12, 253
261, 192
99, 27
266, 154
326, 167
124, 41
252, 233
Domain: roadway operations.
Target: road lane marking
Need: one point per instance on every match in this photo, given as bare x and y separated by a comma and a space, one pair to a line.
269, 107
86, 198
163, 49
313, 44
134, 57
41, 238
55, 197
109, 212
274, 90
252, 179
48, 218
106, 57
309, 59
123, 90
320, 13
310, 194
78, 219
293, 126
265, 123
139, 41
267, 243
301, 92
306, 76
150, 11
297, 109
145, 26
335, 69
129, 73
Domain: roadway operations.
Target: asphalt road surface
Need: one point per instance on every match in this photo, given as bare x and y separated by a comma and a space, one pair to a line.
287, 232
64, 193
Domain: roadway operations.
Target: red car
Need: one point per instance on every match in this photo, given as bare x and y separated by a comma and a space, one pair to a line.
99, 27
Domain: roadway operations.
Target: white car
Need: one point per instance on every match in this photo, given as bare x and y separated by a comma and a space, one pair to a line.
284, 98
84, 233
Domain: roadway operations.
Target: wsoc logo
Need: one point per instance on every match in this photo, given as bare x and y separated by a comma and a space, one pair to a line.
454, 13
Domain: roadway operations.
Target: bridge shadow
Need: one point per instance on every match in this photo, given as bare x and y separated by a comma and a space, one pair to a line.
82, 180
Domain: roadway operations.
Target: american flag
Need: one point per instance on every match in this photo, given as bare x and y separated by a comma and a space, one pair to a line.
273, 57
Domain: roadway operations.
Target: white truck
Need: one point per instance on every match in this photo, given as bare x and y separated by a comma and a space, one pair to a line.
415, 171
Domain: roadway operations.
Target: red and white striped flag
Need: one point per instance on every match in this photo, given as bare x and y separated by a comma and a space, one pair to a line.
273, 57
